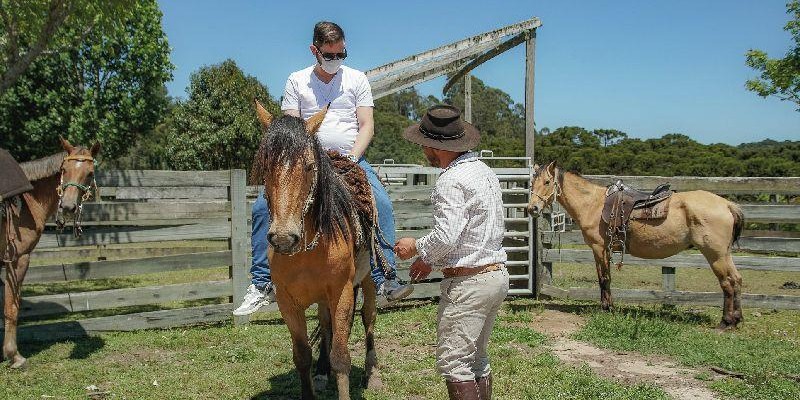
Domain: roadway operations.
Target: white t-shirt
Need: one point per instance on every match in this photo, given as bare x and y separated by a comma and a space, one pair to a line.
348, 89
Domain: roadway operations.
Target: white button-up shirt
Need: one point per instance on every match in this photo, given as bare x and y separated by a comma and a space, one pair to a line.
468, 217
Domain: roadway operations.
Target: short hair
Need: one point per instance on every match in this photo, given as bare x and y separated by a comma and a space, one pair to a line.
326, 32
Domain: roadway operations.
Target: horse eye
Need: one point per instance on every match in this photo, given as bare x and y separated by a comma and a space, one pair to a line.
309, 167
546, 182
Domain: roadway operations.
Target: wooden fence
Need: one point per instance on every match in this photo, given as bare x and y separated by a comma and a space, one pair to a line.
128, 234
137, 208
761, 241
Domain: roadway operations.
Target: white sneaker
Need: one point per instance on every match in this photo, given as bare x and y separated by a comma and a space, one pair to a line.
391, 291
254, 299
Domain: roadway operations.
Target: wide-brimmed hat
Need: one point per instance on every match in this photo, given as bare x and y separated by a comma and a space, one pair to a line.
442, 128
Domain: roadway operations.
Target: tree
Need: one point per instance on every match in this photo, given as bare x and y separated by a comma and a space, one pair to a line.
109, 89
31, 28
609, 136
216, 127
780, 77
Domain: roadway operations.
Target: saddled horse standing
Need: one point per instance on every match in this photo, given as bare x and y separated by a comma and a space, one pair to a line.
695, 219
319, 246
61, 182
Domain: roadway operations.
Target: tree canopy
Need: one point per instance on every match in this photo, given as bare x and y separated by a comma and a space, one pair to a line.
109, 88
216, 127
780, 77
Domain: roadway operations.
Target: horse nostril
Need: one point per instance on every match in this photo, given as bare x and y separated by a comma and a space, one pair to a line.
294, 239
271, 239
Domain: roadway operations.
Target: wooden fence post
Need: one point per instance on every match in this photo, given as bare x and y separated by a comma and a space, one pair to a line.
668, 274
239, 272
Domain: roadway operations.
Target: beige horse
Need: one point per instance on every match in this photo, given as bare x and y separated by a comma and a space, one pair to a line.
696, 219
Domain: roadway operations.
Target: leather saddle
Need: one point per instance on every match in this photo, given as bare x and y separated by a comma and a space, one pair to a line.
624, 203
12, 179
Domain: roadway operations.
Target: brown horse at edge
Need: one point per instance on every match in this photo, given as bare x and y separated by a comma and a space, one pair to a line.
696, 219
59, 181
314, 254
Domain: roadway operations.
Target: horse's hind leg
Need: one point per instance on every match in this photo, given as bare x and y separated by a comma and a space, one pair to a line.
369, 312
731, 283
324, 361
11, 300
342, 313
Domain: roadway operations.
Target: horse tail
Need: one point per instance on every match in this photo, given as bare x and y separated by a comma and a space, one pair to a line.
738, 221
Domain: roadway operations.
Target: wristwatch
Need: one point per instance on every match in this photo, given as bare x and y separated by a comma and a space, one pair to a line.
353, 158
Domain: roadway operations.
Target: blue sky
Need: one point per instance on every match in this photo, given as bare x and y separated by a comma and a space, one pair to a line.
647, 68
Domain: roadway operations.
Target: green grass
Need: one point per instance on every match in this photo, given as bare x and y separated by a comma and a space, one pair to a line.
765, 349
226, 362
687, 279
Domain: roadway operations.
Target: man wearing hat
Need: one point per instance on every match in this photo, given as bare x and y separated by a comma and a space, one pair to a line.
466, 244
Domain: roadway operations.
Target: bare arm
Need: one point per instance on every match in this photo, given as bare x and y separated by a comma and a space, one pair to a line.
366, 129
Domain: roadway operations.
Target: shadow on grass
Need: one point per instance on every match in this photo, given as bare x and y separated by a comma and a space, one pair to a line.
34, 339
286, 386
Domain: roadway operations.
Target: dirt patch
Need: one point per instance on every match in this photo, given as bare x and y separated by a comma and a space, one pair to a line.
629, 368
556, 323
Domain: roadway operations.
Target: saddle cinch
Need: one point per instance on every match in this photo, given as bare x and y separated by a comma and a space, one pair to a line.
623, 204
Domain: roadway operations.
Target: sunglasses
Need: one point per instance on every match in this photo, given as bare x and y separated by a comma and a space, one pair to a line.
332, 56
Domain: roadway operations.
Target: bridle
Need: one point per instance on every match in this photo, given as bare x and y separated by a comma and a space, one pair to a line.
553, 196
89, 191
307, 246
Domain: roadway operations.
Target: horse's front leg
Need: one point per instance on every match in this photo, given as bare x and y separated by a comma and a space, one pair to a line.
11, 300
602, 264
342, 313
368, 315
301, 350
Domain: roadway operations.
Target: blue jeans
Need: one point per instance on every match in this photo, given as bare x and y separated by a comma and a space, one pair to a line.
260, 267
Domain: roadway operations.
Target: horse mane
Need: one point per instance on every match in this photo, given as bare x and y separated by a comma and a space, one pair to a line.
43, 167
284, 143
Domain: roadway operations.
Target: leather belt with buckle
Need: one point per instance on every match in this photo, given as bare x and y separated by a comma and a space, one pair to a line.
453, 272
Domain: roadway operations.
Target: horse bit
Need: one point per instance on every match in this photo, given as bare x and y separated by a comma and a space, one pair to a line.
89, 191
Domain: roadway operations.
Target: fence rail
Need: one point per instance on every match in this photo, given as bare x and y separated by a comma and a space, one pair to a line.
151, 209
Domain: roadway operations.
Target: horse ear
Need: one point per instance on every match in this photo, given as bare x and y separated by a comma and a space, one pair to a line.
65, 144
551, 167
95, 149
536, 168
263, 115
313, 123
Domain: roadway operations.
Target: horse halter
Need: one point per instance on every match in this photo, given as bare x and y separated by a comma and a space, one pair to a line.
309, 201
553, 196
89, 191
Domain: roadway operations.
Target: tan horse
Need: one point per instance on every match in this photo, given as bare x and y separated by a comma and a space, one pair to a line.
60, 183
696, 219
314, 255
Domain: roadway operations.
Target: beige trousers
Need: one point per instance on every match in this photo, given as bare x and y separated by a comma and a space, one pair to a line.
467, 310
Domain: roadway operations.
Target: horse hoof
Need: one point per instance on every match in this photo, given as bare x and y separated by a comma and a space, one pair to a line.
374, 382
320, 382
19, 363
724, 326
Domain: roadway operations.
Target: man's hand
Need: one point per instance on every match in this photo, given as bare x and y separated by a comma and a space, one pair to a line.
406, 248
419, 270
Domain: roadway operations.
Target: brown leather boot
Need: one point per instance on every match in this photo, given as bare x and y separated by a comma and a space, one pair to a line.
485, 387
463, 390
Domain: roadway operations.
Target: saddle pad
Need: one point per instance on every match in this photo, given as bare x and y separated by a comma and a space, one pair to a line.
356, 181
12, 179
